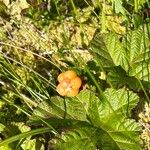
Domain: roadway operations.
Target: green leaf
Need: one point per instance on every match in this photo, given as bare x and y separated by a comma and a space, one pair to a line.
109, 51
61, 108
131, 53
65, 108
117, 103
33, 144
78, 139
135, 84
101, 52
117, 77
6, 147
138, 51
107, 117
117, 4
113, 120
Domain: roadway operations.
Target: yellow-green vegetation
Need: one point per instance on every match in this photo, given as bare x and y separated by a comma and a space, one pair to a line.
145, 122
105, 44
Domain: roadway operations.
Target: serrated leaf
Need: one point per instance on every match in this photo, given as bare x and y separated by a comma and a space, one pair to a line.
109, 50
117, 103
107, 116
117, 77
132, 53
68, 108
99, 48
138, 48
78, 139
135, 84
113, 120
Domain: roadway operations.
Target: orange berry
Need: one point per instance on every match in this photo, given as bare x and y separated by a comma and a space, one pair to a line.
72, 92
61, 77
63, 87
70, 74
61, 90
65, 83
69, 83
76, 83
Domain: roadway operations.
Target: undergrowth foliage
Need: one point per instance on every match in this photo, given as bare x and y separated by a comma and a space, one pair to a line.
89, 120
106, 44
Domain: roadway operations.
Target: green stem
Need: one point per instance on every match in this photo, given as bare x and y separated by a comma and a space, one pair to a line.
95, 82
24, 135
148, 100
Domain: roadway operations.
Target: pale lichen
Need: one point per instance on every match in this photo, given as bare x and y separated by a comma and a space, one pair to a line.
145, 122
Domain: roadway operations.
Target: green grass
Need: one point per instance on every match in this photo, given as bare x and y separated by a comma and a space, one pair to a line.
38, 44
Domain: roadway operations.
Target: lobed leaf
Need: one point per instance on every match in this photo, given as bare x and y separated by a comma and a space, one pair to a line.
107, 124
132, 52
77, 139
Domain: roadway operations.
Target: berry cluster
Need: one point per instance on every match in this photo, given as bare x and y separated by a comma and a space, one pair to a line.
69, 84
